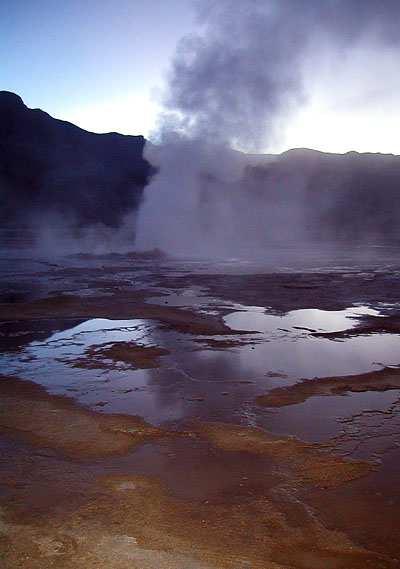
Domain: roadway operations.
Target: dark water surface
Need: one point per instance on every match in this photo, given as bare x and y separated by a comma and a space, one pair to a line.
197, 380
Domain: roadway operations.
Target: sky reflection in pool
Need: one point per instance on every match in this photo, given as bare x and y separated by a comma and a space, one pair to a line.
256, 318
200, 381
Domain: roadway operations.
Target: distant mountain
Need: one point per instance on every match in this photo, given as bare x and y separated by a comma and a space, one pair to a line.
332, 197
50, 166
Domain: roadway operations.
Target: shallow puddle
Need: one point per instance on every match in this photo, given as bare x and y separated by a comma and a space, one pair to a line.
290, 350
93, 331
256, 318
302, 357
196, 381
318, 418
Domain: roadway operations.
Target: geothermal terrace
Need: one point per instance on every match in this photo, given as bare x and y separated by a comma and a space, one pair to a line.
193, 414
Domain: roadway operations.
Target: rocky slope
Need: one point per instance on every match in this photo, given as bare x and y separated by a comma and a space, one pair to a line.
51, 166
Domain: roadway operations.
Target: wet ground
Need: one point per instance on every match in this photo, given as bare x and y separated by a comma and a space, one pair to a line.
158, 413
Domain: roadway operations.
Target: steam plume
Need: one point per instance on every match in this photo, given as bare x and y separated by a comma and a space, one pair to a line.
234, 84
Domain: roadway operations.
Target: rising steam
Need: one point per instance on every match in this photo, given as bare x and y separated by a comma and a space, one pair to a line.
234, 85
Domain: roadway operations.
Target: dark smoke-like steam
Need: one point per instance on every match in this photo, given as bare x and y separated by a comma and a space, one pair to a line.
234, 84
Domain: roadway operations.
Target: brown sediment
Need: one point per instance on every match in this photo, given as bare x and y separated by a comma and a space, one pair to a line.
151, 255
223, 344
131, 522
366, 508
57, 422
308, 463
122, 305
197, 398
130, 353
382, 380
283, 292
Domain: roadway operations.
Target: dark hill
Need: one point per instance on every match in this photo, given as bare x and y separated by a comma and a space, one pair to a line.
51, 166
48, 166
333, 197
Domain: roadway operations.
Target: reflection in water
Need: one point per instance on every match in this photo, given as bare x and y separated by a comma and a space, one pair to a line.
94, 331
200, 382
317, 418
301, 357
194, 297
255, 318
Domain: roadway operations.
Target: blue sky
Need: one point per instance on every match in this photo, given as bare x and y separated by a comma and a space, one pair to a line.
97, 62
102, 63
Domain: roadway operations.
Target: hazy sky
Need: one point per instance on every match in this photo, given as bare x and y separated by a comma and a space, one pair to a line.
98, 63
101, 64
